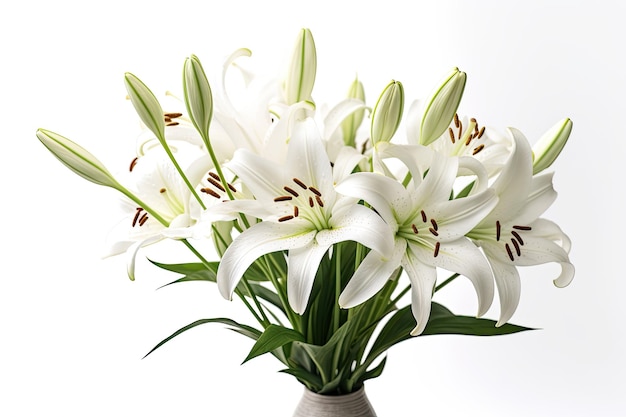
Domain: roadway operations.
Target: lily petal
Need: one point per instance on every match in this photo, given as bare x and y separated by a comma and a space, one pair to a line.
302, 267
261, 239
423, 278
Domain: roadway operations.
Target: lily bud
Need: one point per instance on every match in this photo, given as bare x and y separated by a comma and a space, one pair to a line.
77, 159
198, 97
146, 105
301, 73
351, 124
548, 148
387, 113
440, 108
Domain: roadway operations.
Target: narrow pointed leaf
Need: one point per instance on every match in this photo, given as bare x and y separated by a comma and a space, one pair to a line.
272, 338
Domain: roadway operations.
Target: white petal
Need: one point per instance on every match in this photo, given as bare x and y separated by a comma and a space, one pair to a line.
132, 254
302, 267
263, 177
541, 197
509, 289
362, 225
260, 239
371, 276
437, 184
463, 257
423, 278
347, 159
339, 113
390, 199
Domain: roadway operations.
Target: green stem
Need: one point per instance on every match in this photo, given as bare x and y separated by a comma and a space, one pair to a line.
446, 282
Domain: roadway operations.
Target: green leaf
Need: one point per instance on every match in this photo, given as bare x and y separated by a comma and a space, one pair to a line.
272, 338
309, 379
240, 328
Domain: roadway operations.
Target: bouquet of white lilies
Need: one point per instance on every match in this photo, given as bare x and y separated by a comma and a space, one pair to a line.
330, 223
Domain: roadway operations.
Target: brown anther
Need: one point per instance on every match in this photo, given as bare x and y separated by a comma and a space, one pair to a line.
473, 120
296, 211
475, 125
414, 227
283, 198
508, 250
460, 129
139, 210
285, 218
434, 223
498, 230
132, 164
172, 124
451, 132
232, 187
319, 201
172, 115
143, 219
291, 191
167, 119
517, 249
518, 237
162, 190
300, 183
456, 120
433, 231
314, 191
522, 227
480, 134
424, 218
478, 148
311, 204
215, 176
210, 192
216, 184
437, 245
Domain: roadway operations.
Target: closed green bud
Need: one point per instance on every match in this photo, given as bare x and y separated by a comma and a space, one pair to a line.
351, 124
387, 113
146, 105
548, 148
77, 159
302, 69
441, 106
198, 96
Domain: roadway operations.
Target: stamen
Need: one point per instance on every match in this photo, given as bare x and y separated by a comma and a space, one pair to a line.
314, 191
162, 190
216, 184
478, 148
451, 132
143, 219
172, 124
319, 201
291, 191
434, 223
480, 134
456, 120
283, 198
437, 249
215, 176
433, 231
498, 230
473, 120
517, 249
469, 140
311, 204
508, 250
414, 229
132, 164
460, 126
172, 115
518, 237
210, 192
300, 183
167, 119
232, 187
296, 211
424, 218
285, 218
139, 210
522, 227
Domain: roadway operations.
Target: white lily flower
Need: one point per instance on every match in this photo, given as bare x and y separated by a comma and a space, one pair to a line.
429, 233
513, 235
156, 183
301, 213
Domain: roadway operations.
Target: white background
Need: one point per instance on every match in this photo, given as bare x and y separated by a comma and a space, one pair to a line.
74, 328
